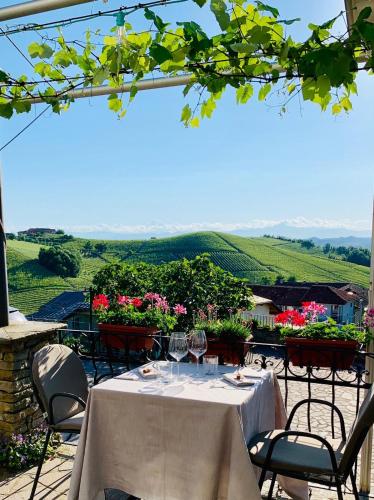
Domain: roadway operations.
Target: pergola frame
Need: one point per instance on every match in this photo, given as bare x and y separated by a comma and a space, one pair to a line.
40, 6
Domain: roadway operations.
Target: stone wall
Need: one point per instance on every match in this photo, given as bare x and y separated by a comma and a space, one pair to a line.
19, 410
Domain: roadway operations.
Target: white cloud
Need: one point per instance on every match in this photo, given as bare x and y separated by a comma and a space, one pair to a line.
297, 222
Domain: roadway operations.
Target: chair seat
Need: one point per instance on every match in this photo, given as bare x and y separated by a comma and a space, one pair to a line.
293, 453
73, 423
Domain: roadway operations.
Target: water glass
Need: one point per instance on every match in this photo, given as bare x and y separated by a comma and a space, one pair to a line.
210, 363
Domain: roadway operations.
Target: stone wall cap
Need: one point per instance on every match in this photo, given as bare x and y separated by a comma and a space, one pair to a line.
19, 331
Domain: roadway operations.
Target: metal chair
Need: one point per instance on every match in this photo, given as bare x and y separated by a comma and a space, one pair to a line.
61, 388
309, 457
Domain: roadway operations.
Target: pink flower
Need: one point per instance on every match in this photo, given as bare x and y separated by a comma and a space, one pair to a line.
100, 301
136, 302
211, 307
123, 299
311, 310
151, 296
162, 303
179, 309
201, 315
369, 318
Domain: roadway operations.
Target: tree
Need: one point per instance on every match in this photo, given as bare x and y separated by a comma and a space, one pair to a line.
327, 248
60, 261
87, 249
60, 231
251, 51
308, 244
193, 283
100, 248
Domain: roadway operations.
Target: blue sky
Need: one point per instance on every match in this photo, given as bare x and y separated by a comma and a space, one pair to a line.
87, 171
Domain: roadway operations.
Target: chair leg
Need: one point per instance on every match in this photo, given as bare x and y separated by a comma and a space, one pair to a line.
40, 465
270, 494
262, 479
339, 490
354, 486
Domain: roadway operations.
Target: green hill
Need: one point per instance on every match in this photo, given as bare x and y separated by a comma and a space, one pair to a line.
257, 259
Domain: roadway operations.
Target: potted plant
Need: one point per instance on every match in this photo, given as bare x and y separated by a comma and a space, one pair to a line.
129, 322
226, 337
311, 342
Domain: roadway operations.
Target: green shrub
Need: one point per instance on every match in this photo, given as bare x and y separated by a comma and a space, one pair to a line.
225, 328
193, 283
60, 261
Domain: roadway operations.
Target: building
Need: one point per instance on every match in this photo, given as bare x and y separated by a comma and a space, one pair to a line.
264, 311
345, 302
72, 308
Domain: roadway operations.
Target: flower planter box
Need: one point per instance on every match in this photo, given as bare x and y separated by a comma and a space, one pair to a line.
323, 353
231, 351
134, 338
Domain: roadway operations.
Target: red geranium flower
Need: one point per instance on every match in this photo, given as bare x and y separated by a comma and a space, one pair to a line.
136, 302
100, 301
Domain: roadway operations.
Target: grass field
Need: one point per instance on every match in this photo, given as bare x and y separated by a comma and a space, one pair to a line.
31, 285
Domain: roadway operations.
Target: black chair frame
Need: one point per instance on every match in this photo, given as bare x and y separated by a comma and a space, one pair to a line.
337, 479
51, 427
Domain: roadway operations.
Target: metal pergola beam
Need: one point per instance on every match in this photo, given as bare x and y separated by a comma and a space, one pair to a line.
149, 84
36, 7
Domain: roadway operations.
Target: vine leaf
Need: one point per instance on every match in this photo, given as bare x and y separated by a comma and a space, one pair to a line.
264, 92
218, 7
43, 50
114, 103
159, 53
267, 8
244, 93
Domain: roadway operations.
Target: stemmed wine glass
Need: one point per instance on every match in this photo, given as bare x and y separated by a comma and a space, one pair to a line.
197, 345
178, 347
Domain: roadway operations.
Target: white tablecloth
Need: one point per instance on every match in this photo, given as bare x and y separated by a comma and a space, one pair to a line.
183, 441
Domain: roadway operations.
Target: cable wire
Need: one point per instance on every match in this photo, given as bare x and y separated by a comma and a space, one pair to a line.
108, 13
25, 128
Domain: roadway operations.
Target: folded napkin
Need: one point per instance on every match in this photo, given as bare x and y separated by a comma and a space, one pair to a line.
148, 372
242, 382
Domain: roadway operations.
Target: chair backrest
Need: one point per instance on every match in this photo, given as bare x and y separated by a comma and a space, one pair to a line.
56, 368
359, 430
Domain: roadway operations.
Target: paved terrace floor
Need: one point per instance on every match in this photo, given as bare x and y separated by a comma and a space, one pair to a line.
55, 478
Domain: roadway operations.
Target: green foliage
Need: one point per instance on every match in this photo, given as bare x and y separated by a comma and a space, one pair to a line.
250, 51
223, 328
193, 283
361, 256
326, 330
61, 261
22, 451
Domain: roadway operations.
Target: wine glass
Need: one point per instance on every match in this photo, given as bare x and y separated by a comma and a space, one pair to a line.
197, 345
178, 347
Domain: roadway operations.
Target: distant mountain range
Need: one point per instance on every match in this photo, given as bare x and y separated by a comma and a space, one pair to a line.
344, 241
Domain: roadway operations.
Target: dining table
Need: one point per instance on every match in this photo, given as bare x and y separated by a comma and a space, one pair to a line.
177, 438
